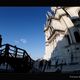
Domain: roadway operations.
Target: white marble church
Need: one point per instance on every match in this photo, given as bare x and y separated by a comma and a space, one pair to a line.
62, 39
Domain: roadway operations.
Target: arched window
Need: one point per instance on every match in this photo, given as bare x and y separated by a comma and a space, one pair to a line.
68, 39
77, 36
79, 13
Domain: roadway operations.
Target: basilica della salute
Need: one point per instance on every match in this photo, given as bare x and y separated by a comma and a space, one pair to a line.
62, 46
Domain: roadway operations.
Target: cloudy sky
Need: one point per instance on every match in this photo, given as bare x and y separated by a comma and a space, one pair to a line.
24, 27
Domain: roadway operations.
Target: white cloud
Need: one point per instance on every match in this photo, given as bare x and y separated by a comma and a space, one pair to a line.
23, 41
16, 41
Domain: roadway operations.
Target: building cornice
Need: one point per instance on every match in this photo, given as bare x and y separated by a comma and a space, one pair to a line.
47, 27
54, 33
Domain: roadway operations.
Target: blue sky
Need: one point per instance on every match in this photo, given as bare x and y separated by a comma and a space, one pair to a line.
24, 27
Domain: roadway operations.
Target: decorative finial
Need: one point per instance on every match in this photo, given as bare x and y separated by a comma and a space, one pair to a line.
49, 14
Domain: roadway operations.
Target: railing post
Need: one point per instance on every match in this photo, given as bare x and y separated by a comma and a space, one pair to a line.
15, 51
24, 54
0, 40
7, 50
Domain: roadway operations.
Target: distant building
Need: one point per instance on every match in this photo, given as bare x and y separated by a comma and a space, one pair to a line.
62, 39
